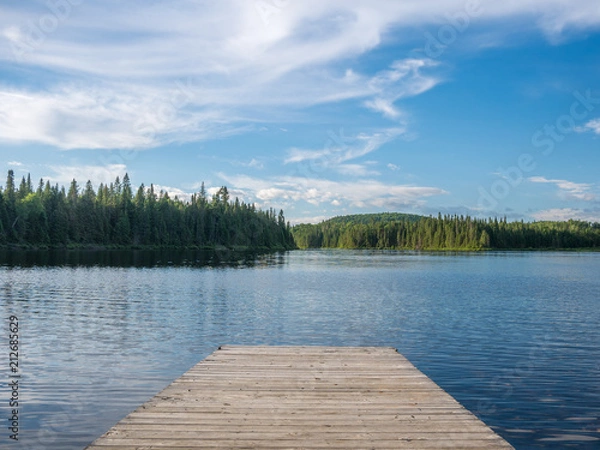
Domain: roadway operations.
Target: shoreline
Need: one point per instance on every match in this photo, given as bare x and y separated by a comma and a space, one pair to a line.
240, 248
464, 250
96, 247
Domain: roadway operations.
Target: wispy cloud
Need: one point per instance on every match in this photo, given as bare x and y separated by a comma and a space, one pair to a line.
174, 192
63, 175
296, 155
568, 189
593, 126
152, 73
114, 116
340, 148
256, 164
403, 79
316, 191
308, 219
356, 170
564, 214
384, 107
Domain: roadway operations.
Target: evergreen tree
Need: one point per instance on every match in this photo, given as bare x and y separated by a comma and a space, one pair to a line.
113, 216
444, 233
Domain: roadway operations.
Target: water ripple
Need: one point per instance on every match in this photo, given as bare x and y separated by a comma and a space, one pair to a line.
513, 336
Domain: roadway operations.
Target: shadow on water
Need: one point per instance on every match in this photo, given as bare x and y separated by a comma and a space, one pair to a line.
138, 258
514, 337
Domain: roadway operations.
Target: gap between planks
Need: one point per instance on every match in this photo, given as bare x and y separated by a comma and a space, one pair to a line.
301, 397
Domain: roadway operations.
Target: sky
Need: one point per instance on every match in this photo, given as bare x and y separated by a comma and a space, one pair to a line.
320, 108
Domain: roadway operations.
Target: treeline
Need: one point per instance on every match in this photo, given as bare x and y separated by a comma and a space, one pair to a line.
447, 233
49, 215
375, 217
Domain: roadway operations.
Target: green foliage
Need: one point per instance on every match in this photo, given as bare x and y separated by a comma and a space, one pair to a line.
31, 222
114, 215
376, 217
409, 232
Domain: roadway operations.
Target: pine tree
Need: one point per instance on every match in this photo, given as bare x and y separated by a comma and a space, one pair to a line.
9, 190
112, 215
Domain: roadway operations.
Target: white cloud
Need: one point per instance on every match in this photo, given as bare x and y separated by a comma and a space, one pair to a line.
150, 73
393, 167
356, 170
341, 148
115, 114
560, 16
296, 155
230, 35
174, 192
110, 117
404, 79
13, 34
593, 126
568, 189
361, 193
14, 163
255, 163
384, 107
63, 175
564, 214
308, 219
272, 193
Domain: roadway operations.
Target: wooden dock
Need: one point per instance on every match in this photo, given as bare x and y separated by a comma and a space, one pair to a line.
301, 398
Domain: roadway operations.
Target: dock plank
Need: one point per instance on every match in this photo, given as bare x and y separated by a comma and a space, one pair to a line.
301, 397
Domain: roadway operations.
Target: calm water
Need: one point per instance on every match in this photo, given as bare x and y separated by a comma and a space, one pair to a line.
515, 337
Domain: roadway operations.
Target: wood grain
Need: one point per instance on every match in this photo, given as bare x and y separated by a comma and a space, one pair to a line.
301, 398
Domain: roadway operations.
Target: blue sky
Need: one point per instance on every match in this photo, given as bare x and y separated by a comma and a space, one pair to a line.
321, 108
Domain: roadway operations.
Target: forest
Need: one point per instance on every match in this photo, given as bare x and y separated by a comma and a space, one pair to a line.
114, 216
410, 232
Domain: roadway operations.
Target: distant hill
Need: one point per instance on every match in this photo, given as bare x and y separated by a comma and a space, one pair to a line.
413, 232
374, 218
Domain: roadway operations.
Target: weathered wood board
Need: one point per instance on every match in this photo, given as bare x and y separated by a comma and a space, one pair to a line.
301, 398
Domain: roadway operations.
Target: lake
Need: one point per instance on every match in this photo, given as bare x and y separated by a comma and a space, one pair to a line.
515, 337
